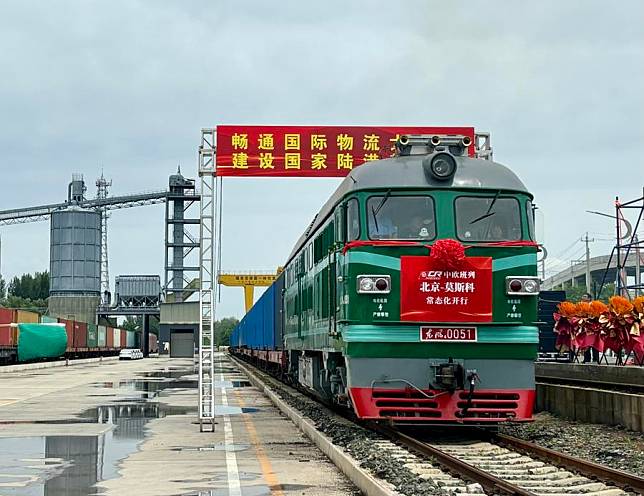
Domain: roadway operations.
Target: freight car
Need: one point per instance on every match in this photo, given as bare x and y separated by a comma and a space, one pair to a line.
26, 336
412, 296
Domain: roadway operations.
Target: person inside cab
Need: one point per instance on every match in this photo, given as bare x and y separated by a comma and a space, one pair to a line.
419, 228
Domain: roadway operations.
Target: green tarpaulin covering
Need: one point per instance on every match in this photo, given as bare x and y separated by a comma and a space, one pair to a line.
41, 341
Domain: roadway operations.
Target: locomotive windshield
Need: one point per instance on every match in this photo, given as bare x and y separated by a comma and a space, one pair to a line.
488, 218
401, 217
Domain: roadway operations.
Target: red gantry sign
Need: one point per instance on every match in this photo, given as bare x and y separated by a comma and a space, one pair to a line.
430, 294
310, 151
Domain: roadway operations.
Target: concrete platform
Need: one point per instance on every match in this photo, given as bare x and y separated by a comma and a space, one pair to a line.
595, 406
598, 394
130, 428
629, 376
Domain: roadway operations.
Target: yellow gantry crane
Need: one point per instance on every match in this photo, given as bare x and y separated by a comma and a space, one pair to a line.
248, 281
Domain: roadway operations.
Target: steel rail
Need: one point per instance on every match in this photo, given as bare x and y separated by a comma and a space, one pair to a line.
615, 477
489, 482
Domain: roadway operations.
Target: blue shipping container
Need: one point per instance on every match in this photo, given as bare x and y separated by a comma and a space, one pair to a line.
278, 314
257, 329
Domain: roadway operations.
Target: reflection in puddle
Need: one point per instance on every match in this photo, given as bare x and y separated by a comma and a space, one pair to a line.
73, 465
149, 388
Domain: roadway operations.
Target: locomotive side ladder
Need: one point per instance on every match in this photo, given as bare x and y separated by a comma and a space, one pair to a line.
207, 281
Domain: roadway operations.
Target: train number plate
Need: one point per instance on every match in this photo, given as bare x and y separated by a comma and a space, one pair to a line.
456, 333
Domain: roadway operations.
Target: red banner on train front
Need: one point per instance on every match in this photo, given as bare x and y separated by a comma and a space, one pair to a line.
431, 294
310, 151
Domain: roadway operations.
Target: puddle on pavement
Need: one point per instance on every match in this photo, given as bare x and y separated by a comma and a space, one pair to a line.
47, 422
170, 374
214, 447
148, 389
258, 490
231, 384
239, 384
59, 465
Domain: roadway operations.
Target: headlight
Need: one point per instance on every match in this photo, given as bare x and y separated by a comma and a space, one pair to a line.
366, 285
531, 286
374, 284
443, 166
521, 285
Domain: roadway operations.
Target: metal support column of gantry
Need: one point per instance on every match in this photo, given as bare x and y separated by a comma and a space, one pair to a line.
207, 280
102, 193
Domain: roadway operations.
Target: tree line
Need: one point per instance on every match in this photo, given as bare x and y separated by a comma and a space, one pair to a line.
28, 292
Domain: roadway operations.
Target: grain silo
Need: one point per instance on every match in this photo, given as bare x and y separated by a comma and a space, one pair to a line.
75, 264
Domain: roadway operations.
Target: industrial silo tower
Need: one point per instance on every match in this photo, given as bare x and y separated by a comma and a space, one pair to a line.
75, 259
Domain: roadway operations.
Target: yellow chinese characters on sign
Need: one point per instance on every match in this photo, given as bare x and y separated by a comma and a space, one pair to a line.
371, 142
266, 160
344, 142
291, 160
266, 141
291, 141
240, 141
345, 161
318, 161
318, 142
240, 160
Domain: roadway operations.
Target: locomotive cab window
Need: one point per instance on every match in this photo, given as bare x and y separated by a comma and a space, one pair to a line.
480, 218
401, 217
353, 220
530, 212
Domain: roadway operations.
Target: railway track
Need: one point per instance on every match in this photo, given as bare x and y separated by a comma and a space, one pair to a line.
484, 463
504, 464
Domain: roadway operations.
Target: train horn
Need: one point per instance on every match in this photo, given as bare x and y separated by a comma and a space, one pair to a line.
466, 141
435, 140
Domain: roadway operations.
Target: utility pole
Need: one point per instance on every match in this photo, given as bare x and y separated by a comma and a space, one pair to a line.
588, 280
638, 266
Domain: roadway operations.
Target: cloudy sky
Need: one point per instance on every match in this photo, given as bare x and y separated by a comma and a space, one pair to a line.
126, 86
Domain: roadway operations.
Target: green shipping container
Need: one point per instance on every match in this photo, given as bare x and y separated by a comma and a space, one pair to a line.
41, 341
130, 339
92, 336
46, 319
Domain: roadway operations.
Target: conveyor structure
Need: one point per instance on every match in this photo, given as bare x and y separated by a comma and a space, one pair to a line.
42, 212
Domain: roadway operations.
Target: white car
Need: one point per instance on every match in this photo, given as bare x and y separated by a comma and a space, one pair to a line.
130, 354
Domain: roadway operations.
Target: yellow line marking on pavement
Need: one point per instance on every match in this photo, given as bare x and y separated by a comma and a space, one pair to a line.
264, 461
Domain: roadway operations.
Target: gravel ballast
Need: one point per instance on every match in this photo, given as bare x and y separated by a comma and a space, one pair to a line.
357, 442
614, 447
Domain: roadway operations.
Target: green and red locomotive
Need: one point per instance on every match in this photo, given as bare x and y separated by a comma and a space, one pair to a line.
412, 296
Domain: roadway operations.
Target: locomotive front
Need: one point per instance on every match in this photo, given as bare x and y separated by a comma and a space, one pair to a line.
436, 288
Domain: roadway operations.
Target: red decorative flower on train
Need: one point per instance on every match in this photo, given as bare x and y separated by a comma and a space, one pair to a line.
448, 254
